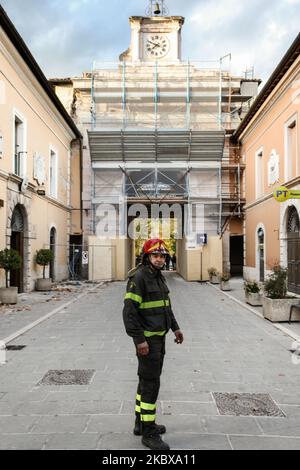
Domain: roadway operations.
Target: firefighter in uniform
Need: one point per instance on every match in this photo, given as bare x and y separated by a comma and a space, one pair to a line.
148, 316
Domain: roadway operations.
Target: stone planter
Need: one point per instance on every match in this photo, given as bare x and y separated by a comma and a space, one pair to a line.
9, 295
225, 285
277, 310
43, 284
214, 280
254, 299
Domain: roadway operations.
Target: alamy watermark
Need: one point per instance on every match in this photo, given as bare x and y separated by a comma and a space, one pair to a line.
140, 221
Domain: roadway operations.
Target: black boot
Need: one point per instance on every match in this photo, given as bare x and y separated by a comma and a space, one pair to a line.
137, 431
152, 439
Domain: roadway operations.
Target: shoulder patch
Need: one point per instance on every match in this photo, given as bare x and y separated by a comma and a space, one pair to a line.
132, 272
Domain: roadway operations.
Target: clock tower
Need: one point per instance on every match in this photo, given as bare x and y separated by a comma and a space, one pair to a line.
154, 38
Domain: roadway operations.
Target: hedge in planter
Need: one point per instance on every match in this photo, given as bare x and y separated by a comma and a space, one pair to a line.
213, 275
276, 304
44, 258
10, 260
253, 293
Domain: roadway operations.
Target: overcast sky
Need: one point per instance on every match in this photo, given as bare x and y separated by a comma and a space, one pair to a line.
65, 36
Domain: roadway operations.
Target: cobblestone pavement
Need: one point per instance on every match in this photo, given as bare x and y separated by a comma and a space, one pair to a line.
227, 349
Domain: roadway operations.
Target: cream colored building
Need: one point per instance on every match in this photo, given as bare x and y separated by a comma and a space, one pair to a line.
40, 152
157, 129
269, 137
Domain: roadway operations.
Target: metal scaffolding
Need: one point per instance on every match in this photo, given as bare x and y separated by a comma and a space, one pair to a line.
158, 130
185, 95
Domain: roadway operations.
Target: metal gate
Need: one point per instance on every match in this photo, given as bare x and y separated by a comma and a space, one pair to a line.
293, 246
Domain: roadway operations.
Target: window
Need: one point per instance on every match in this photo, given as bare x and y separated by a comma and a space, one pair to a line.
259, 176
19, 146
53, 173
291, 149
261, 253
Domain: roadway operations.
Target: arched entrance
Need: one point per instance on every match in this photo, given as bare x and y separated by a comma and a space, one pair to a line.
17, 243
52, 248
293, 250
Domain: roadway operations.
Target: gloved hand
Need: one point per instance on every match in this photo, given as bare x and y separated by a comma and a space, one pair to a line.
178, 337
143, 349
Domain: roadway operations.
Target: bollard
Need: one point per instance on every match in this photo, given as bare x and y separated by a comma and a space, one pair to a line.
2, 353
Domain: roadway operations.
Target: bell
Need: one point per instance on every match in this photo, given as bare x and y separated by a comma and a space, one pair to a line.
157, 9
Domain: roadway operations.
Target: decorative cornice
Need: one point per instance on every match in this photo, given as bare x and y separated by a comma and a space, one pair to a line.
279, 72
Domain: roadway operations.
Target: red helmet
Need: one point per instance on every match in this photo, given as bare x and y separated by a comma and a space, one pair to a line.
155, 246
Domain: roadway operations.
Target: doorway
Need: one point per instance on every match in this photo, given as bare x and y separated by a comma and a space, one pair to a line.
52, 248
293, 248
236, 255
17, 243
261, 254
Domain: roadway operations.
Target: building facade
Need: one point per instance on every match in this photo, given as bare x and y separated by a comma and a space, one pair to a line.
40, 152
156, 130
269, 139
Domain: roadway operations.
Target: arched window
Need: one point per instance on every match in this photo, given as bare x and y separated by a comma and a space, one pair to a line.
261, 253
293, 225
261, 236
17, 221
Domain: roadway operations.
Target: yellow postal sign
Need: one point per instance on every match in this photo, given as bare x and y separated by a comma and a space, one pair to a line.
282, 194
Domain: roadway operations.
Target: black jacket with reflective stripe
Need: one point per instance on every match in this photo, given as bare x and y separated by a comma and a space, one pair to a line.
147, 307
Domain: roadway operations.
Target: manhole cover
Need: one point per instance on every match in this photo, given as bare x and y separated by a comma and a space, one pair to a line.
247, 404
67, 377
14, 347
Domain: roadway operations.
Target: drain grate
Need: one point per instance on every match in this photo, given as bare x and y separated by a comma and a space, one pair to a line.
67, 377
247, 404
15, 347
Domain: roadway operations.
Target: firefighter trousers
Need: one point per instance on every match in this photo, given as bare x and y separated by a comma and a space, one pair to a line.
149, 372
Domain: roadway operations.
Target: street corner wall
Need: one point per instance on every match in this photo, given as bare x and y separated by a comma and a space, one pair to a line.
267, 216
189, 260
212, 256
122, 258
108, 258
181, 255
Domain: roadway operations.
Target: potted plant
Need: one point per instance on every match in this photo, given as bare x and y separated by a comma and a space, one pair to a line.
213, 275
276, 303
9, 261
224, 281
253, 293
43, 258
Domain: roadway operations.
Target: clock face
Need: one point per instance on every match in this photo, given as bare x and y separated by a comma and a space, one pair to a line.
157, 46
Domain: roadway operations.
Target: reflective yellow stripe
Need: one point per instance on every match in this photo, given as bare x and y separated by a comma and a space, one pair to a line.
148, 334
157, 245
138, 409
148, 406
155, 304
138, 397
148, 418
135, 297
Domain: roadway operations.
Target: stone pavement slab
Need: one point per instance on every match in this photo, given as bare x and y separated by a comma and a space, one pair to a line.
264, 443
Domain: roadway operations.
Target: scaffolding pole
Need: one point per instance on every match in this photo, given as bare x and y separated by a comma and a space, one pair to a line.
239, 187
220, 97
220, 198
188, 98
93, 113
124, 94
156, 93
